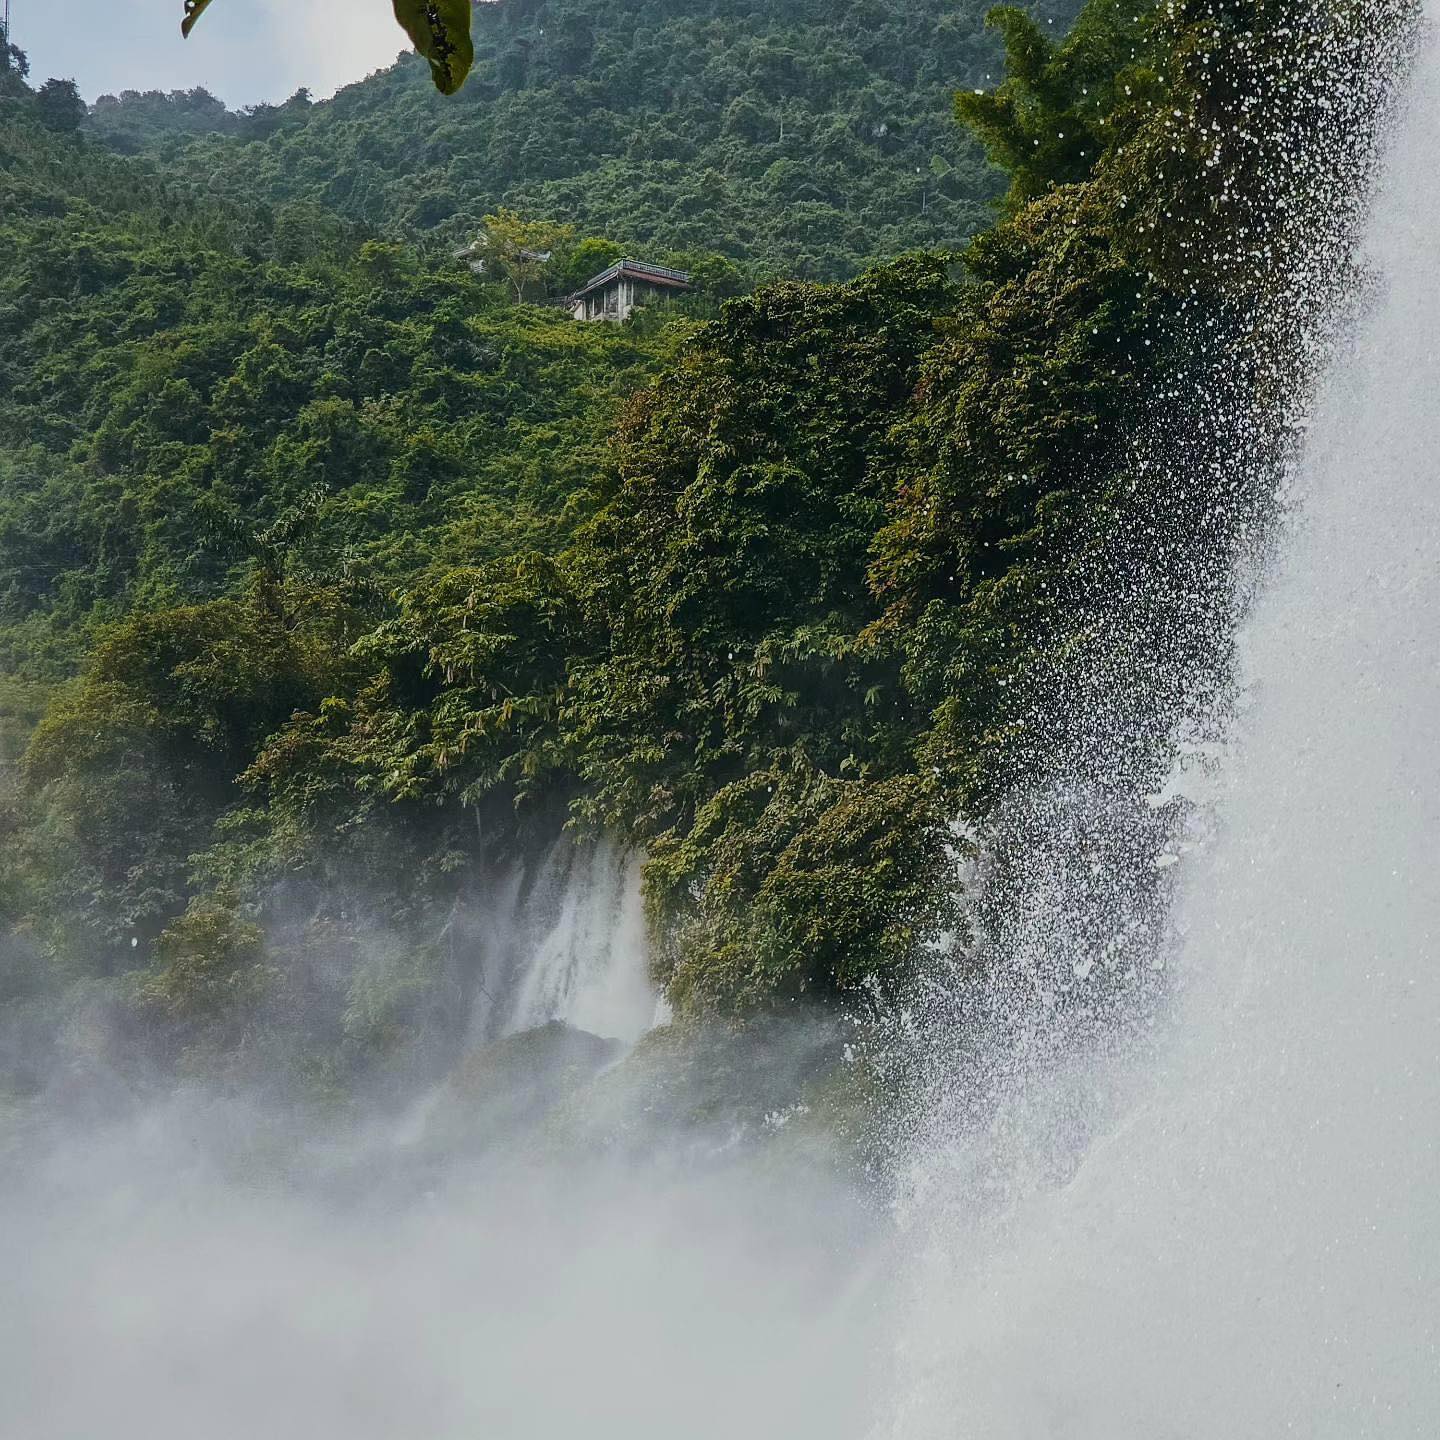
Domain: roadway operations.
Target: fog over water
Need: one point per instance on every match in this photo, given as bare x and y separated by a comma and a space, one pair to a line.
178, 1301
548, 1242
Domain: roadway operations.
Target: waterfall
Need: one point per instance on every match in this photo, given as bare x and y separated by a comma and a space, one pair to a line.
563, 938
1226, 1221
588, 965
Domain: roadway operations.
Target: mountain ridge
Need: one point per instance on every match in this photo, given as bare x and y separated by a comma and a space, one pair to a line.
795, 138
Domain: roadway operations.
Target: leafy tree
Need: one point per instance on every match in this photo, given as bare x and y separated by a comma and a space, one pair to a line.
794, 886
594, 255
208, 974
1056, 111
170, 710
792, 138
59, 106
14, 64
525, 252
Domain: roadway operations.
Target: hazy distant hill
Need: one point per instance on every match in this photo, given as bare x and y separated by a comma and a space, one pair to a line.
805, 137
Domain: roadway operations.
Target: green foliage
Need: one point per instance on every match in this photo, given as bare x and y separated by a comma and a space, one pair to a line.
375, 591
209, 970
727, 569
791, 885
459, 702
191, 394
1057, 110
1011, 456
134, 120
524, 251
14, 65
716, 664
171, 708
194, 9
440, 31
59, 106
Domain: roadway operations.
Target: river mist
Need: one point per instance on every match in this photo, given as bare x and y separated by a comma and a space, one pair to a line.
543, 1247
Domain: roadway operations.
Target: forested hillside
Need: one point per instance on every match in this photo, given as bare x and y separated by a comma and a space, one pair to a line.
401, 585
190, 387
798, 137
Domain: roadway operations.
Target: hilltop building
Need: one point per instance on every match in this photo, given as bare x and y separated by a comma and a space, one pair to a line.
615, 292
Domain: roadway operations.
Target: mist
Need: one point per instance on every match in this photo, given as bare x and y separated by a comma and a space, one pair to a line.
531, 1264
628, 1229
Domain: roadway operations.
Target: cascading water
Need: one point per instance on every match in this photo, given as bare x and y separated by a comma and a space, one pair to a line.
563, 940
1232, 1227
589, 964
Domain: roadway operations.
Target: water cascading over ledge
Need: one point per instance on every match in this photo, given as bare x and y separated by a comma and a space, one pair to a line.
562, 937
1212, 1210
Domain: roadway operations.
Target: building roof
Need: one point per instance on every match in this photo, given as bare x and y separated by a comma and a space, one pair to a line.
635, 270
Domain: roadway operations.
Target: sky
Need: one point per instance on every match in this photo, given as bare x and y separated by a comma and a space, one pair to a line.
244, 51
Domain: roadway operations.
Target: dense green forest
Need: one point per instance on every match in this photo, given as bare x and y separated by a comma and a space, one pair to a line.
368, 577
799, 137
191, 386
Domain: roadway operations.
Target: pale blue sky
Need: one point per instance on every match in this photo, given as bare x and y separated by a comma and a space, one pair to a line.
242, 50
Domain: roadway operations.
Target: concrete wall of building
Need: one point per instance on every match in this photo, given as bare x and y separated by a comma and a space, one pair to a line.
618, 300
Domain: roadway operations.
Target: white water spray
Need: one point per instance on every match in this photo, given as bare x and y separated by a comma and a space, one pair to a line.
1245, 1238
